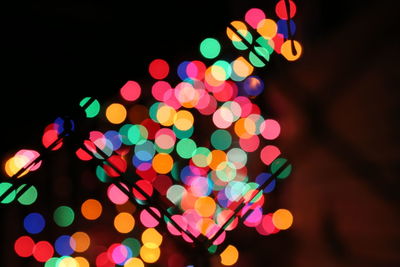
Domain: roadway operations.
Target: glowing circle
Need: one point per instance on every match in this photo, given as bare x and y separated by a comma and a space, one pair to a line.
91, 209
148, 220
34, 223
221, 139
280, 10
270, 129
43, 251
149, 255
210, 48
124, 222
165, 115
159, 69
62, 245
93, 109
151, 238
81, 262
159, 89
223, 118
205, 206
23, 246
134, 262
29, 196
288, 53
282, 219
162, 163
130, 91
116, 113
146, 187
80, 241
4, 187
183, 120
63, 216
229, 256
277, 165
185, 148
269, 153
116, 195
267, 28
119, 253
254, 16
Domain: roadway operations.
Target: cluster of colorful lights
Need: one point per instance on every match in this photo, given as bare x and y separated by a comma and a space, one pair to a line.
184, 159
76, 248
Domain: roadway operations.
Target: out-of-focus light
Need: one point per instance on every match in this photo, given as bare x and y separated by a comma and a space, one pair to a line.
282, 219
93, 109
124, 222
210, 48
116, 113
130, 91
229, 256
91, 209
23, 246
287, 51
64, 216
159, 69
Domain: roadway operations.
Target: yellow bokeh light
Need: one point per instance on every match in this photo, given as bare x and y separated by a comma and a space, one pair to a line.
183, 120
229, 256
282, 219
218, 73
124, 222
286, 50
240, 28
149, 255
116, 113
14, 164
267, 28
151, 238
134, 262
241, 67
165, 115
82, 262
68, 262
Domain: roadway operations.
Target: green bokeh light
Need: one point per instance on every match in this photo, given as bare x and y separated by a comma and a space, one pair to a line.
93, 109
52, 262
29, 196
10, 197
210, 48
185, 148
277, 164
133, 244
183, 134
63, 216
221, 139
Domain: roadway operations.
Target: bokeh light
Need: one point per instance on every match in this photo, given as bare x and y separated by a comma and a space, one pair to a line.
210, 48
91, 209
282, 219
130, 91
34, 223
159, 69
64, 216
124, 222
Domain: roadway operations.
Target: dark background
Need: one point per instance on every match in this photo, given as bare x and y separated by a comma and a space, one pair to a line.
338, 107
